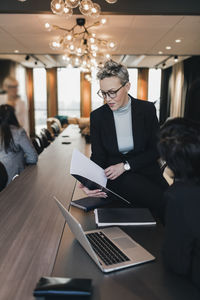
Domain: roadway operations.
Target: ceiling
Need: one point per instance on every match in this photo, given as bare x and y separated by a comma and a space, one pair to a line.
139, 37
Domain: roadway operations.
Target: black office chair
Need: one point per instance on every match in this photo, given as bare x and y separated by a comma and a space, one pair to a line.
55, 128
38, 144
44, 139
3, 177
48, 134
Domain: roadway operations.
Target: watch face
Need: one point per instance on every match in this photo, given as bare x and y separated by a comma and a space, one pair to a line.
127, 166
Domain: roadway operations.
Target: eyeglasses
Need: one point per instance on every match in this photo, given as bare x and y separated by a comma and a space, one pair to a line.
110, 94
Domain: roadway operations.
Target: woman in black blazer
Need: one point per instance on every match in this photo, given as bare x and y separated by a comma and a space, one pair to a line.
180, 146
123, 137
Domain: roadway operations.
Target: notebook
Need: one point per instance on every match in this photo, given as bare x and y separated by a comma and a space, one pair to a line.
123, 217
89, 203
110, 248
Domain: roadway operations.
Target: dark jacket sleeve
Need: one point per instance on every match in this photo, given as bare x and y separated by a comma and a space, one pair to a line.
148, 153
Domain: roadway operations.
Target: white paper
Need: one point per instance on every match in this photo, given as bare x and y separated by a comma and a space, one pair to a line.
83, 166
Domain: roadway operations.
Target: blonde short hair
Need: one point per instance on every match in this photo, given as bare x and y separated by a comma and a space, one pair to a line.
113, 69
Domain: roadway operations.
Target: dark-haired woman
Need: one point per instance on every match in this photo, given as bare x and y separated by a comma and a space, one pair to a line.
16, 149
179, 146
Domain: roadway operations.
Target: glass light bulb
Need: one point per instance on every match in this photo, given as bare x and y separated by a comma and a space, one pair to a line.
77, 62
79, 51
92, 40
57, 6
85, 7
55, 45
69, 37
93, 61
66, 57
111, 45
72, 3
71, 48
48, 26
111, 1
108, 56
103, 21
67, 11
94, 47
95, 10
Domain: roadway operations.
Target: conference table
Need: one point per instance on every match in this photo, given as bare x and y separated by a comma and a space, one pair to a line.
35, 241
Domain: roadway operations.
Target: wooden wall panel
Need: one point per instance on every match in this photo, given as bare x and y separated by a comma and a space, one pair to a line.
30, 96
85, 105
142, 88
52, 102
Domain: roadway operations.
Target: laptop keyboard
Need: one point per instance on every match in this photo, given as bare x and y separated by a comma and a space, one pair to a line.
105, 249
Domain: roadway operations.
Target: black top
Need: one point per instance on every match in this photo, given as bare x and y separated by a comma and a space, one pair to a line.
182, 232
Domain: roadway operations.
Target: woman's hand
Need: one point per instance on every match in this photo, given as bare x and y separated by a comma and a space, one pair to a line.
93, 193
114, 171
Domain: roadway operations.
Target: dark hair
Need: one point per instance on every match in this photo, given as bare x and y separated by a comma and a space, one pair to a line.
7, 118
179, 146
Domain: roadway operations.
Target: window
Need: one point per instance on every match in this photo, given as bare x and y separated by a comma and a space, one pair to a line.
40, 98
154, 86
69, 92
133, 78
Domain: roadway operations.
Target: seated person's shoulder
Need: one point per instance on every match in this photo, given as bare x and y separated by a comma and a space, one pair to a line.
17, 133
185, 198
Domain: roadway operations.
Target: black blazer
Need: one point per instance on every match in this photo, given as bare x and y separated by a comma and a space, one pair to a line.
105, 152
182, 230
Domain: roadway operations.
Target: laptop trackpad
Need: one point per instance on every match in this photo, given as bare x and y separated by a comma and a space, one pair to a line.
124, 243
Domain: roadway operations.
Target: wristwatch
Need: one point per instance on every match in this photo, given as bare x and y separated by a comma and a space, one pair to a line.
127, 167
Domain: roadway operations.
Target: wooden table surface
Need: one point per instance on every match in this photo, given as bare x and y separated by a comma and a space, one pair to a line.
31, 225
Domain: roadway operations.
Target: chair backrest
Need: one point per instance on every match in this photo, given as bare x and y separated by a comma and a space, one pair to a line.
55, 128
3, 176
48, 134
38, 144
44, 139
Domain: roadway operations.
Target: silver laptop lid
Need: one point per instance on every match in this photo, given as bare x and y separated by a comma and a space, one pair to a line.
136, 253
78, 232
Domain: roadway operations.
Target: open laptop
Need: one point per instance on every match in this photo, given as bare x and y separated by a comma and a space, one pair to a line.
110, 248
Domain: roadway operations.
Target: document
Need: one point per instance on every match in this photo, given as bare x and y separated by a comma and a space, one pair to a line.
91, 175
123, 217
